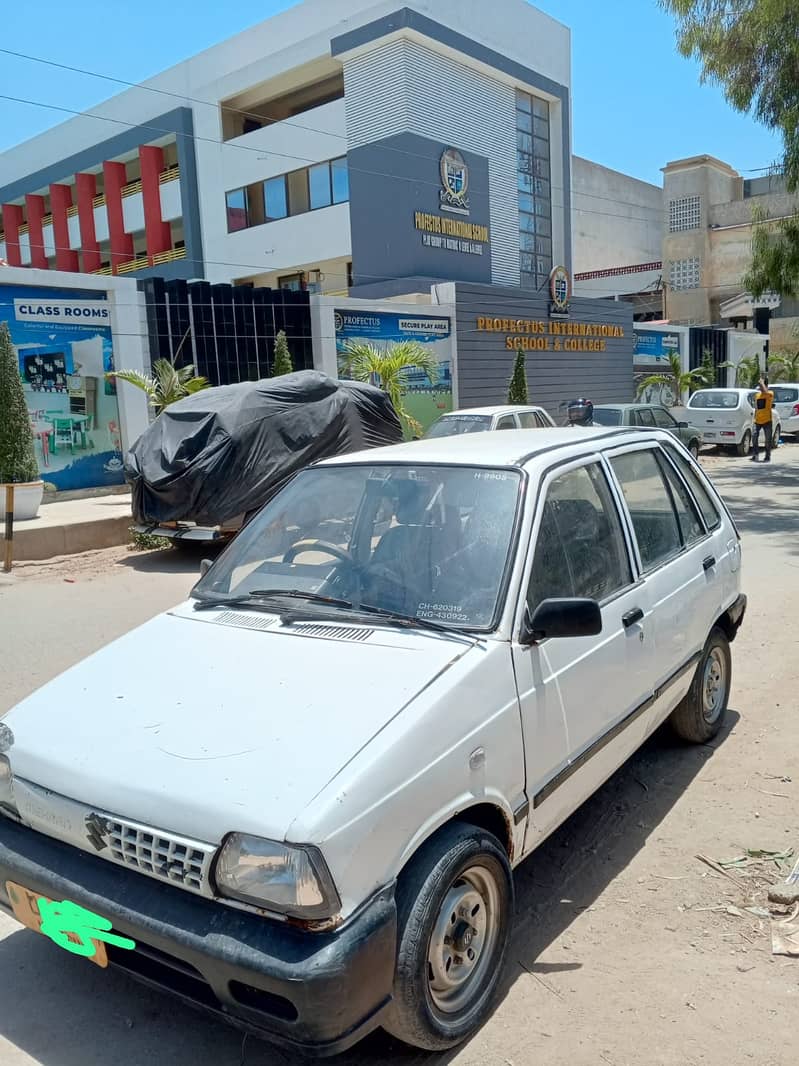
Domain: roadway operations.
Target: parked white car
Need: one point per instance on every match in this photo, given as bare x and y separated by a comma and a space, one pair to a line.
786, 404
726, 417
405, 672
485, 419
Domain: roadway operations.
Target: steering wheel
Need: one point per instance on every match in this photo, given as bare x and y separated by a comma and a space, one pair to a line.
303, 546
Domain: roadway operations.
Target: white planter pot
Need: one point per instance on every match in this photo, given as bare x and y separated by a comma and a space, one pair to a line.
27, 499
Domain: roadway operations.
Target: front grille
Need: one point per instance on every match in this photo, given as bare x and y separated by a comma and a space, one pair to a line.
174, 859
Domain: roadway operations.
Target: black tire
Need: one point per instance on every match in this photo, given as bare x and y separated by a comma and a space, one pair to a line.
699, 717
746, 444
775, 439
437, 873
693, 448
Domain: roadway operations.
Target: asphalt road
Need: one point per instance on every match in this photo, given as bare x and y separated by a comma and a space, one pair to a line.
624, 950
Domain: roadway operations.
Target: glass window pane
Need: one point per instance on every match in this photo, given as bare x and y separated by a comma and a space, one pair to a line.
542, 208
543, 265
580, 548
236, 202
687, 513
543, 246
541, 187
540, 107
525, 183
526, 241
645, 417
527, 222
524, 162
663, 419
319, 184
541, 128
524, 142
540, 148
298, 192
526, 202
543, 226
650, 507
526, 262
524, 102
341, 180
275, 196
541, 168
701, 495
524, 123
527, 280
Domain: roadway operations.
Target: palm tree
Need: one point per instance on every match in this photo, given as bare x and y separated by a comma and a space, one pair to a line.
168, 383
387, 368
748, 371
678, 380
784, 365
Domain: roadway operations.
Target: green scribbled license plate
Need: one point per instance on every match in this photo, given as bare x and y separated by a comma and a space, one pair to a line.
68, 925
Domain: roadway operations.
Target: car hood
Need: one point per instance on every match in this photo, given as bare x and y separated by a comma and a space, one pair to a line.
197, 724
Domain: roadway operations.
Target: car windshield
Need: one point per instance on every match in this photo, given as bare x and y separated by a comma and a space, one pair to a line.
607, 416
714, 399
429, 542
453, 425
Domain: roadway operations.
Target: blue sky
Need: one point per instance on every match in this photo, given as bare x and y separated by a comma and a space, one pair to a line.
637, 103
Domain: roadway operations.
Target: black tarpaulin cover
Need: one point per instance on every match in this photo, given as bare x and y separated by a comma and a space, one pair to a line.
225, 451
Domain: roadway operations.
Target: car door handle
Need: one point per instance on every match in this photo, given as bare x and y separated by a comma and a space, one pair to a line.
708, 563
633, 616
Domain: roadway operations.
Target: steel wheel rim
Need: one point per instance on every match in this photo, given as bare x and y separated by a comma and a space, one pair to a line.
714, 685
463, 940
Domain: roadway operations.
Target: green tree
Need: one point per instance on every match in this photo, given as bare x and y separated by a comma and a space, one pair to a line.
387, 368
17, 457
751, 49
678, 380
784, 365
283, 363
748, 371
167, 384
517, 390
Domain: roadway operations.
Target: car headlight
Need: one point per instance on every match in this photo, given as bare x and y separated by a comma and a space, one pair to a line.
291, 879
7, 805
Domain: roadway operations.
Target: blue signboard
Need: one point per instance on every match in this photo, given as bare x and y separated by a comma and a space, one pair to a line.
652, 345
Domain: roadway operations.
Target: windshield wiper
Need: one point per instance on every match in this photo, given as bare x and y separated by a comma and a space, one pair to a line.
413, 621
263, 597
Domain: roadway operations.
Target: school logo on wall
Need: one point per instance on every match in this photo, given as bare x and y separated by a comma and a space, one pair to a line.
560, 290
454, 182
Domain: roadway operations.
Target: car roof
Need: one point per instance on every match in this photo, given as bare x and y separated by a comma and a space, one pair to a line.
783, 384
504, 409
724, 388
623, 406
511, 448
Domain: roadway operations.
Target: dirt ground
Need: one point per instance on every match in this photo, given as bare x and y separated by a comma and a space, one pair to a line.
627, 949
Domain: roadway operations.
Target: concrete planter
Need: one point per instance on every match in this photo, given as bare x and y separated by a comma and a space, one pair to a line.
27, 499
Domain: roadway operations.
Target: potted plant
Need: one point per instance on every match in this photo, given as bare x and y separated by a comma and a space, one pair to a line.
18, 465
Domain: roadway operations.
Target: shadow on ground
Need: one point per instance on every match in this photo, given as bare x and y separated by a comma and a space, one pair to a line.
64, 1012
183, 560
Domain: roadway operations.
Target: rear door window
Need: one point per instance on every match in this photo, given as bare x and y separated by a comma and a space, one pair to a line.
527, 419
580, 549
709, 510
650, 505
691, 528
507, 422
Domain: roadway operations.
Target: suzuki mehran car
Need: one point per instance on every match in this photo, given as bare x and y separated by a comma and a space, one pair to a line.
726, 417
406, 671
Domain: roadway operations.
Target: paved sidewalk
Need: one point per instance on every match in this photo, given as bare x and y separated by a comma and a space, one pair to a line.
71, 526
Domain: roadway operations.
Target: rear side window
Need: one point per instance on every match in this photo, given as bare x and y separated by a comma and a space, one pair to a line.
580, 549
708, 508
649, 503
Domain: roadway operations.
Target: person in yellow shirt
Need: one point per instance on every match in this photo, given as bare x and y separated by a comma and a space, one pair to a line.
764, 401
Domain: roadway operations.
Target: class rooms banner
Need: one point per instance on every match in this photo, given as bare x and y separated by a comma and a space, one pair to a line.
424, 400
64, 349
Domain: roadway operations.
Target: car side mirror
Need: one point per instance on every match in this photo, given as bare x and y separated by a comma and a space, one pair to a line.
573, 617
682, 425
205, 566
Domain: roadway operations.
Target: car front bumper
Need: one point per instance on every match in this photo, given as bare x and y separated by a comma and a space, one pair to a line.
318, 993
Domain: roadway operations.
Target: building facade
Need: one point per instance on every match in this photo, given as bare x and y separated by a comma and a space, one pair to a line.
343, 144
708, 214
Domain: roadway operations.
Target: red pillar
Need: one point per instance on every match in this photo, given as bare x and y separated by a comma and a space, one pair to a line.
157, 232
60, 203
12, 220
36, 212
86, 185
116, 178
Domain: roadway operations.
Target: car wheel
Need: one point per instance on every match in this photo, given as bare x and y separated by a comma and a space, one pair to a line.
775, 439
693, 448
454, 910
746, 444
700, 714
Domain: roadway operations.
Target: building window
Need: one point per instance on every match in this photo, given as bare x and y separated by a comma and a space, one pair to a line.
340, 180
237, 217
685, 214
289, 194
275, 198
535, 191
685, 273
292, 282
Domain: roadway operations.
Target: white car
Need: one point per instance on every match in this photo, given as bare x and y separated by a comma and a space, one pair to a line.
405, 672
726, 417
786, 404
484, 419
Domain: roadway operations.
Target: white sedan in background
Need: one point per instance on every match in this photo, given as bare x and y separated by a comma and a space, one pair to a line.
483, 419
786, 404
